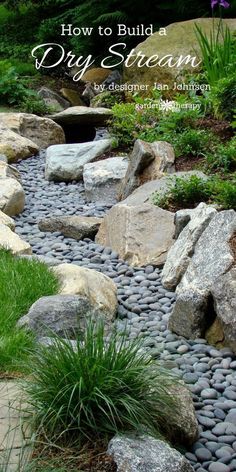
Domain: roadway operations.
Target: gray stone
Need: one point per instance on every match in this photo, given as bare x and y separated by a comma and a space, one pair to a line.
188, 317
63, 315
102, 179
66, 162
53, 99
203, 454
77, 227
182, 250
224, 294
212, 259
182, 218
147, 161
146, 454
183, 423
218, 467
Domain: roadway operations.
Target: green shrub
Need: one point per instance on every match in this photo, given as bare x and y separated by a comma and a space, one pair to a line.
22, 282
182, 192
189, 191
122, 124
98, 388
21, 68
34, 104
13, 90
223, 97
224, 193
223, 158
194, 142
140, 121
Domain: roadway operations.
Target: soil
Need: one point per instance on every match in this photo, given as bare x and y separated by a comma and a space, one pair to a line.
219, 127
186, 163
92, 458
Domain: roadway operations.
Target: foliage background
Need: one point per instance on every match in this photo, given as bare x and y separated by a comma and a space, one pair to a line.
26, 23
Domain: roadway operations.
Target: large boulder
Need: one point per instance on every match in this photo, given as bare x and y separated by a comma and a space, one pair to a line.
100, 291
179, 255
211, 264
14, 146
141, 234
148, 161
66, 162
7, 221
40, 131
82, 116
77, 227
146, 454
12, 196
180, 40
53, 99
11, 241
102, 179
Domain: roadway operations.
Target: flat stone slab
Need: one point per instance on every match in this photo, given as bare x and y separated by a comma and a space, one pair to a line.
82, 116
77, 227
15, 430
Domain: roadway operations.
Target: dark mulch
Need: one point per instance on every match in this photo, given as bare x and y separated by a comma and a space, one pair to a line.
91, 458
219, 127
109, 154
186, 163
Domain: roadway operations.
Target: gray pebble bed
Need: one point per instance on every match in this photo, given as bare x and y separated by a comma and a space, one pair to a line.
144, 310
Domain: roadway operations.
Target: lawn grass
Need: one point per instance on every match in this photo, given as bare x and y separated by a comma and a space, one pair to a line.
22, 282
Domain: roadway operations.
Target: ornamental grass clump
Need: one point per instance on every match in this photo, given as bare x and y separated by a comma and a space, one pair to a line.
218, 52
97, 388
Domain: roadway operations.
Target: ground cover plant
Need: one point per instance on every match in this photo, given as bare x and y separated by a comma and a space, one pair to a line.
22, 282
187, 192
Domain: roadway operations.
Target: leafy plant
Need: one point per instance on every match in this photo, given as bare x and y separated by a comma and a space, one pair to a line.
98, 388
12, 89
216, 51
141, 120
194, 142
34, 104
223, 158
189, 191
223, 97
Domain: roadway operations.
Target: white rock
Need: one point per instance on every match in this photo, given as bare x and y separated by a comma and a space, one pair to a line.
7, 221
12, 197
13, 242
102, 179
66, 162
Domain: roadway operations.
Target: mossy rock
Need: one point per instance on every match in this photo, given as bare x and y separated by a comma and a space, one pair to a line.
179, 40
